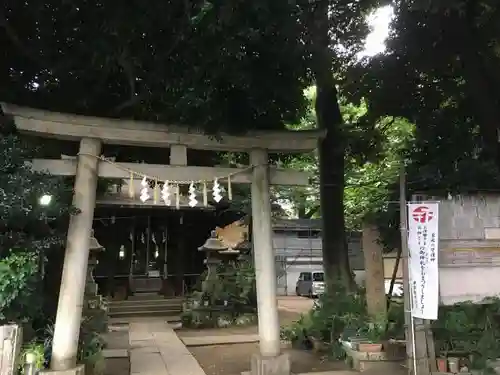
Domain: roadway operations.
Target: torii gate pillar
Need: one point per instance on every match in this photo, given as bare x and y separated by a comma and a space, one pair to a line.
270, 361
69, 308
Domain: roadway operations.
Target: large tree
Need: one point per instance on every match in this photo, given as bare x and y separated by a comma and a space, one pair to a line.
218, 65
334, 31
27, 228
439, 72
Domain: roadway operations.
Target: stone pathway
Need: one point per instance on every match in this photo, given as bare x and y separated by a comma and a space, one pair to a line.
219, 340
155, 349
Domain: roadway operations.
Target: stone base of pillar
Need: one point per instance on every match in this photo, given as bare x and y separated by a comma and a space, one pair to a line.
261, 365
78, 370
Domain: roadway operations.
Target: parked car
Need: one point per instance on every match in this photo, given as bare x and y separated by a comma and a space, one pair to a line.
311, 284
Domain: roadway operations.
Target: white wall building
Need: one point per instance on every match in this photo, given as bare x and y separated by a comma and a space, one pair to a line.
297, 246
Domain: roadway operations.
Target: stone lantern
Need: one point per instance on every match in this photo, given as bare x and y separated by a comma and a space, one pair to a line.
95, 307
211, 247
94, 248
229, 254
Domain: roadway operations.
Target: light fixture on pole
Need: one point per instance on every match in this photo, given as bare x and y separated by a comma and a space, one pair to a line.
45, 199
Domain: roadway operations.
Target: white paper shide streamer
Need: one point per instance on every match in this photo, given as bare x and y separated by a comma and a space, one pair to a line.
216, 191
165, 193
145, 190
192, 195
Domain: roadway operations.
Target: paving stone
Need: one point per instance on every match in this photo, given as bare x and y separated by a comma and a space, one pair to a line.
147, 364
115, 353
181, 364
146, 349
157, 350
220, 340
142, 343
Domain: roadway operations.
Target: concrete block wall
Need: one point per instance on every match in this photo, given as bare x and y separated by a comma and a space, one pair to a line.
470, 218
469, 256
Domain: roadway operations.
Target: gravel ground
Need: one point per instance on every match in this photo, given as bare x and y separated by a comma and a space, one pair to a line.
234, 359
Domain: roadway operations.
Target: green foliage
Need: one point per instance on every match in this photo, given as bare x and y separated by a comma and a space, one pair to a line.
440, 73
374, 331
238, 281
468, 328
336, 315
26, 230
396, 320
225, 299
297, 331
211, 64
90, 344
234, 283
373, 161
19, 275
35, 349
369, 187
339, 315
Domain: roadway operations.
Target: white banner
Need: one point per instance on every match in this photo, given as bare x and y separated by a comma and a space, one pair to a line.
423, 244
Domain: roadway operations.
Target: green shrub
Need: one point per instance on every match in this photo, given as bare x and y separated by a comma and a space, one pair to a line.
468, 328
336, 315
19, 274
37, 349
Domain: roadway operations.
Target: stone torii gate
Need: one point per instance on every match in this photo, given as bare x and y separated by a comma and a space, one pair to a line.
92, 133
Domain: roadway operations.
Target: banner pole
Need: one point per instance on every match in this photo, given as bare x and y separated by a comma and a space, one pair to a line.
403, 224
420, 352
412, 329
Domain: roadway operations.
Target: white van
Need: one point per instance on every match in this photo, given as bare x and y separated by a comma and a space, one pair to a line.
311, 284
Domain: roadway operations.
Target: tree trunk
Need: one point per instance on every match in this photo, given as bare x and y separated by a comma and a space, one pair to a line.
301, 211
331, 175
374, 270
331, 152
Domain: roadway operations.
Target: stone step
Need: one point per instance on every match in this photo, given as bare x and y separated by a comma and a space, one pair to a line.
173, 321
147, 296
170, 316
147, 302
168, 310
145, 305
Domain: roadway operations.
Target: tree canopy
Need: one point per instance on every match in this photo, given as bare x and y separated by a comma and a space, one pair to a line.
27, 227
218, 65
440, 73
244, 65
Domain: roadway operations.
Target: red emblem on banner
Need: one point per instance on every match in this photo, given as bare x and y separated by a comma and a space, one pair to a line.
422, 214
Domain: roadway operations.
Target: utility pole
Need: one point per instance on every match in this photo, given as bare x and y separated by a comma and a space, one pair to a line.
415, 334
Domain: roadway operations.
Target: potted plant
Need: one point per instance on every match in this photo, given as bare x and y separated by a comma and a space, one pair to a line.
296, 334
374, 332
287, 336
442, 364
